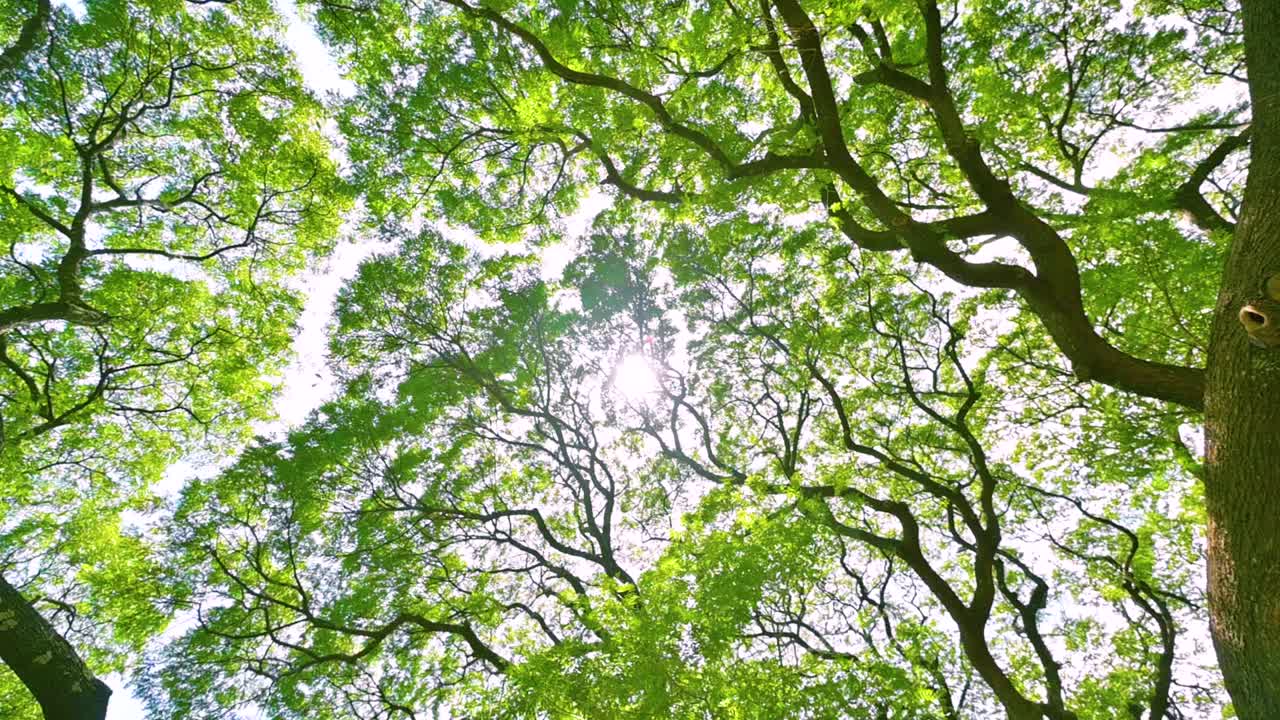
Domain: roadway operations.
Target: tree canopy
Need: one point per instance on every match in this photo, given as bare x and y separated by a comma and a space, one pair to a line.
163, 171
917, 360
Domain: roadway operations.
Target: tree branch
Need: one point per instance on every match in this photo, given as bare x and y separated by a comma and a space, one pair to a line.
1188, 196
46, 663
15, 54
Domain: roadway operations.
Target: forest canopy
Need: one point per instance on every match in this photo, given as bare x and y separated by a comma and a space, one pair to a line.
795, 359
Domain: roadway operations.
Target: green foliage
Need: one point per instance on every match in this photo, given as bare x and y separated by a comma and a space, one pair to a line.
484, 522
163, 173
790, 435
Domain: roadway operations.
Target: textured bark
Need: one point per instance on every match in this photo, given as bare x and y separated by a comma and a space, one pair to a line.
1242, 412
46, 663
76, 313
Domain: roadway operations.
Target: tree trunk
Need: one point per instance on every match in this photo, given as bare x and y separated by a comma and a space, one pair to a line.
46, 663
1242, 410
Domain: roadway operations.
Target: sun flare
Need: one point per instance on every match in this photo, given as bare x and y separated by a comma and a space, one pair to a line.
635, 377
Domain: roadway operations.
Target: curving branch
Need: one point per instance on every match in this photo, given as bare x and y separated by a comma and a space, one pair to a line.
16, 54
1188, 196
1053, 292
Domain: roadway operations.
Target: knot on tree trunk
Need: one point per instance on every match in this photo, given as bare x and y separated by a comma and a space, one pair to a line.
1261, 317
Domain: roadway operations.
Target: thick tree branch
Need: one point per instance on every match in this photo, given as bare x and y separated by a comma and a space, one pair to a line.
773, 51
1188, 196
1053, 292
14, 55
75, 313
46, 663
